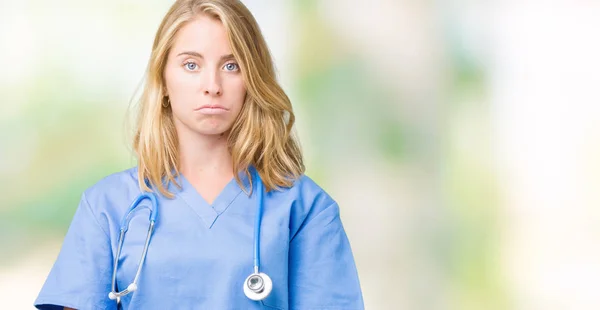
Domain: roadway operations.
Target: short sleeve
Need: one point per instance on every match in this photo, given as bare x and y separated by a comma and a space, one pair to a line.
81, 276
322, 271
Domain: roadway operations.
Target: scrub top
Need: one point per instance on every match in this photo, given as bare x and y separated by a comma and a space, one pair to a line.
200, 254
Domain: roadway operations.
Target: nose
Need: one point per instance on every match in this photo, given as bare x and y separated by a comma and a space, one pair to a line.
212, 85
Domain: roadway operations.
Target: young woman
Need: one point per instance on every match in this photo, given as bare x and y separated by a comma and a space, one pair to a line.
218, 214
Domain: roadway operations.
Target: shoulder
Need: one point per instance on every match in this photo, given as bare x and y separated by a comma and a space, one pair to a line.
307, 189
112, 189
114, 183
105, 201
308, 199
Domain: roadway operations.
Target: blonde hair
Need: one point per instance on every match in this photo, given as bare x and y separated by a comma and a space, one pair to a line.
261, 136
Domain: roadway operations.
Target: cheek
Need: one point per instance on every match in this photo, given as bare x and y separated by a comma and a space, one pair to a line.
181, 90
174, 81
237, 92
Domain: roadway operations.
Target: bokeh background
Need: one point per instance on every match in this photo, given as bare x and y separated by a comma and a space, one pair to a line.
460, 138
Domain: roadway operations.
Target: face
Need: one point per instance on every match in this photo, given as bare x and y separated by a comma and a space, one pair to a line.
203, 80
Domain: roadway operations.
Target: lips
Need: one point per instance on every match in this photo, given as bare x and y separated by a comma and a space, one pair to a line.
212, 109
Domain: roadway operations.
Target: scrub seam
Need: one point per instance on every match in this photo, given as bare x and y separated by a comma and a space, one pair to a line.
94, 216
231, 202
306, 222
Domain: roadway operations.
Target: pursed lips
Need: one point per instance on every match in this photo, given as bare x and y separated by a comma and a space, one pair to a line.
211, 109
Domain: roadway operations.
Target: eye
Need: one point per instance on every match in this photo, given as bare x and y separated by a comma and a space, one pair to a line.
191, 66
232, 66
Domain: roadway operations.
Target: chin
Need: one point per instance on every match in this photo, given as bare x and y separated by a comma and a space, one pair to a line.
212, 131
214, 127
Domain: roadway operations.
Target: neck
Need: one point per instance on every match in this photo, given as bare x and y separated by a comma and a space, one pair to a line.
204, 155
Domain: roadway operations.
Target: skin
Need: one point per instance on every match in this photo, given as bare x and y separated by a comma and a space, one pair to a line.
201, 72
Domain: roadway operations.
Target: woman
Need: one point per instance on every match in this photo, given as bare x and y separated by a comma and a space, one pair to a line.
217, 161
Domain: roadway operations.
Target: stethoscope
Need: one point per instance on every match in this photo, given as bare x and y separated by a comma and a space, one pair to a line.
257, 285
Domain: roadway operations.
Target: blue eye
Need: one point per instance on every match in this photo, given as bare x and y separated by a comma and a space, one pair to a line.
232, 66
190, 66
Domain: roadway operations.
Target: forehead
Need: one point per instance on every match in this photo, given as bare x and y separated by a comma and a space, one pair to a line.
204, 34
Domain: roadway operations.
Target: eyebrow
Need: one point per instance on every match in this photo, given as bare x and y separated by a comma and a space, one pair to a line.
196, 54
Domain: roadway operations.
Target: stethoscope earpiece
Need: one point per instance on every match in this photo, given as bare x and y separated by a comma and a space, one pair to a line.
258, 286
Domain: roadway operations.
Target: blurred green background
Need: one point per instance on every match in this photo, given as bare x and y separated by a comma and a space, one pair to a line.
461, 139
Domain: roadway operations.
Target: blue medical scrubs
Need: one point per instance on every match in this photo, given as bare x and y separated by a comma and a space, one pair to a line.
200, 254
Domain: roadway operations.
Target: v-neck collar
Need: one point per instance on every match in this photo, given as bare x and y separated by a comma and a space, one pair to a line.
207, 212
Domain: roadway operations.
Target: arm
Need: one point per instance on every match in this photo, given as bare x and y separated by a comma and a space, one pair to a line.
322, 271
82, 273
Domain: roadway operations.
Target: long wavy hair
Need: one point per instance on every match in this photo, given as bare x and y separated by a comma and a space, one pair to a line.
262, 135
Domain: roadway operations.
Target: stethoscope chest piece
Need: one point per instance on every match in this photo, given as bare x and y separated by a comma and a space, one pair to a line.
258, 286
